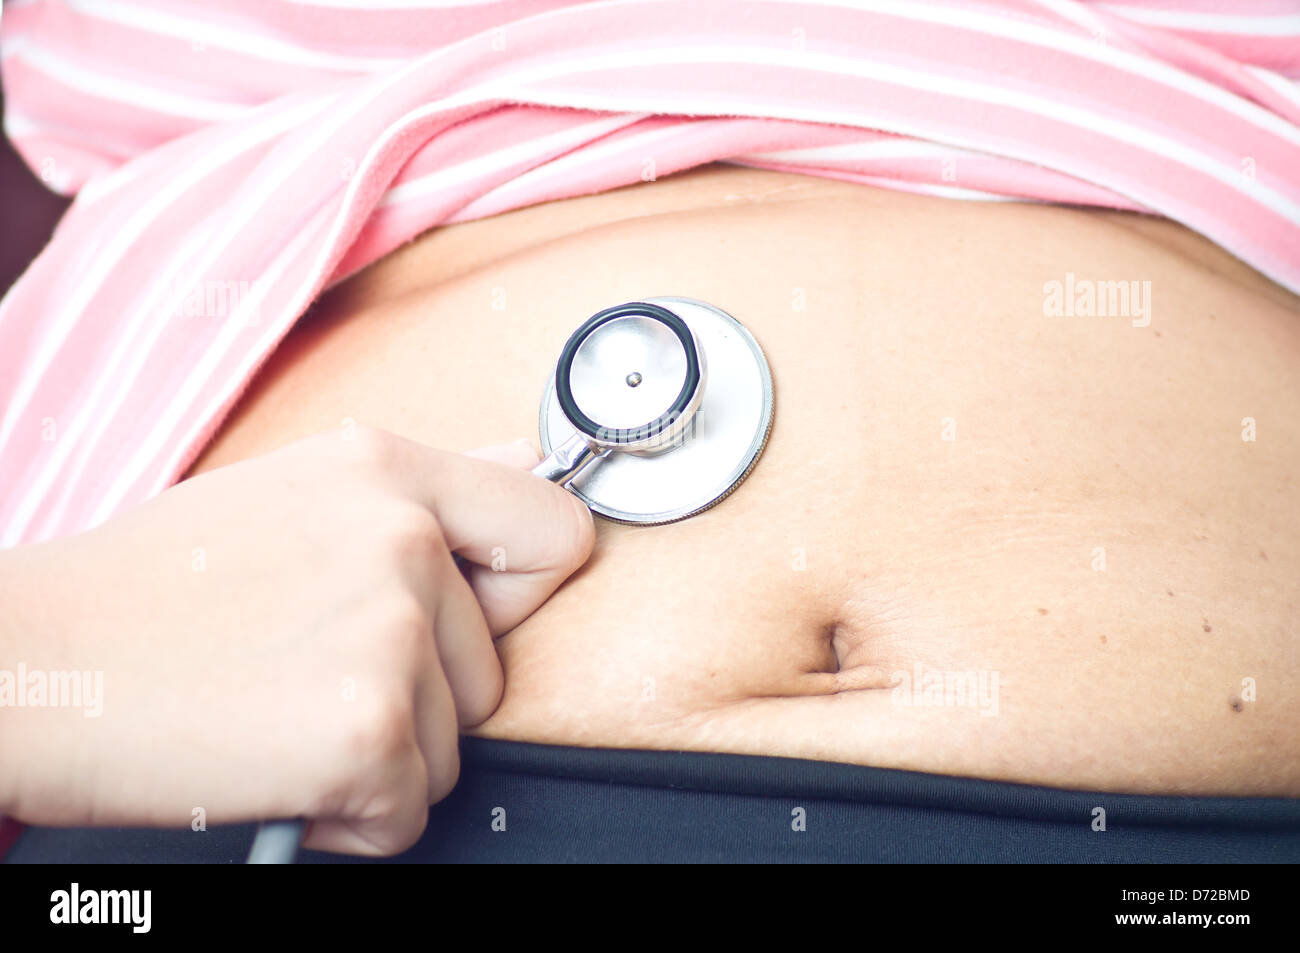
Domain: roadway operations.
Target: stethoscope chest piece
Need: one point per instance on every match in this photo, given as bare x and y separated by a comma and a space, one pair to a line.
657, 410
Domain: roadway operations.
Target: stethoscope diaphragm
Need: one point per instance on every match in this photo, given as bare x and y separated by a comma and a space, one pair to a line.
656, 410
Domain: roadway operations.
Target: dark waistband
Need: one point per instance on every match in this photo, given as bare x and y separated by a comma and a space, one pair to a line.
772, 777
526, 803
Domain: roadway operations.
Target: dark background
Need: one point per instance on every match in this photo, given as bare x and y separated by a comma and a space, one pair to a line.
28, 213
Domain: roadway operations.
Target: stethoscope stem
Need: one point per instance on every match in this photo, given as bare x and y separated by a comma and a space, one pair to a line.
569, 459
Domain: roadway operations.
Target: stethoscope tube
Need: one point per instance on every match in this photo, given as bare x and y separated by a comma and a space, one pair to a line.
277, 842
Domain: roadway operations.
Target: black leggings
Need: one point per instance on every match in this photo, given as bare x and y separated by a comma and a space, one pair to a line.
523, 803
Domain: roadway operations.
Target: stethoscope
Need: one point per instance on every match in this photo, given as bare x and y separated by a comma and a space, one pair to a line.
656, 410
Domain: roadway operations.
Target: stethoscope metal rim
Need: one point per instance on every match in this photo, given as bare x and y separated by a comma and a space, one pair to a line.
718, 490
630, 435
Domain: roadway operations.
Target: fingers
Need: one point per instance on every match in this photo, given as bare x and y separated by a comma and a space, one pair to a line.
520, 537
437, 731
403, 756
467, 659
405, 751
508, 598
525, 534
393, 823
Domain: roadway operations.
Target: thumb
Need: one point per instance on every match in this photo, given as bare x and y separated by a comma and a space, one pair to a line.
521, 534
507, 594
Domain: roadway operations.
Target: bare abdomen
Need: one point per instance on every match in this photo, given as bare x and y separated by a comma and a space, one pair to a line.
986, 538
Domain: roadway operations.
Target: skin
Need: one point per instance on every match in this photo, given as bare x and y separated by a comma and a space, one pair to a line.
315, 661
955, 480
864, 544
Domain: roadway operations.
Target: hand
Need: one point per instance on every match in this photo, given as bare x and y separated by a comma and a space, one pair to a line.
288, 636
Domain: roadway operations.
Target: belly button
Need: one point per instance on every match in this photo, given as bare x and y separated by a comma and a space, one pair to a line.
850, 660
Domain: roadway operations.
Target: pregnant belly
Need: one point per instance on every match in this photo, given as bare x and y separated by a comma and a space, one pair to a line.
1010, 523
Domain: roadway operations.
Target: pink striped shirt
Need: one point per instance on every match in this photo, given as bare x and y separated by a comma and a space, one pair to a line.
233, 158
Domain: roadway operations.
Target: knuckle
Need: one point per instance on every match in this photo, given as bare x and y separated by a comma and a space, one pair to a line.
370, 447
413, 531
401, 642
393, 817
407, 637
381, 733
